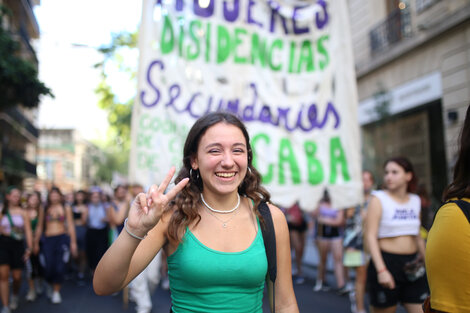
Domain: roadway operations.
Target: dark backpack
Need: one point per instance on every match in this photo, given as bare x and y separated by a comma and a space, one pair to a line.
463, 205
269, 238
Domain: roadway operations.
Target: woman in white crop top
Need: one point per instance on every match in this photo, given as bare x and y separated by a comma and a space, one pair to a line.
396, 273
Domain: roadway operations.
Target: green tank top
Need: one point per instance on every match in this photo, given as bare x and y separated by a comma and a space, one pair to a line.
206, 280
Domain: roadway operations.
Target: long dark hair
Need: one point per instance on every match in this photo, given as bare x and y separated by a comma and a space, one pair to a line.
408, 167
38, 195
460, 186
187, 200
54, 189
5, 200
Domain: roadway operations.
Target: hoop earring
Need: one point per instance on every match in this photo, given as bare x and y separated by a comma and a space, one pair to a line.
191, 174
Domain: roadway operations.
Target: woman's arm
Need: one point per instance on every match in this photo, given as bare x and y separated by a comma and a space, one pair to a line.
39, 230
128, 256
121, 214
374, 215
28, 233
71, 229
84, 217
285, 297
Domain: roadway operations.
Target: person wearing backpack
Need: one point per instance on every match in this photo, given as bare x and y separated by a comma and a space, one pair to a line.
211, 227
448, 242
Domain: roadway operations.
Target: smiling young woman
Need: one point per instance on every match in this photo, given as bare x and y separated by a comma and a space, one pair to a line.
209, 225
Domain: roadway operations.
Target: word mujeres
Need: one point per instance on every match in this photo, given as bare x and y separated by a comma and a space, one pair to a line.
231, 12
198, 104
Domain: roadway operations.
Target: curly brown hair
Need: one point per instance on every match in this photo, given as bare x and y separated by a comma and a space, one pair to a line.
185, 204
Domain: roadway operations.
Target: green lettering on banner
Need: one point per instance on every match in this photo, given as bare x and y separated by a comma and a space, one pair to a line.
223, 44
278, 44
323, 51
168, 37
208, 42
287, 156
314, 166
306, 56
193, 54
146, 161
268, 177
144, 140
236, 42
181, 36
258, 50
338, 157
291, 56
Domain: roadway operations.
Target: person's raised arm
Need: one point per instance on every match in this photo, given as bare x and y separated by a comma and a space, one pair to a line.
130, 253
284, 291
374, 215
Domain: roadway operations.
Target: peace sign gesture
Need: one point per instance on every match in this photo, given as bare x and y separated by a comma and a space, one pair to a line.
147, 209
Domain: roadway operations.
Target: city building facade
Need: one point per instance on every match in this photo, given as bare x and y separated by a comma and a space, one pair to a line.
66, 160
412, 62
18, 132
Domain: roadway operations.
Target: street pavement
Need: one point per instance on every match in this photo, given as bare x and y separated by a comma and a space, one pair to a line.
81, 299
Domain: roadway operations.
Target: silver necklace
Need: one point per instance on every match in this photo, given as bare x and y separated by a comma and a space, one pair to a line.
221, 211
224, 223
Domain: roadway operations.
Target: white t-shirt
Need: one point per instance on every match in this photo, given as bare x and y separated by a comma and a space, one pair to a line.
398, 219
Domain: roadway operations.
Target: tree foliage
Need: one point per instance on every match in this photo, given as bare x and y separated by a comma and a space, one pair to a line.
19, 83
119, 111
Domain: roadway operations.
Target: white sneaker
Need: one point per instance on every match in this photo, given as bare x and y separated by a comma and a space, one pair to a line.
31, 295
6, 310
318, 286
56, 298
14, 302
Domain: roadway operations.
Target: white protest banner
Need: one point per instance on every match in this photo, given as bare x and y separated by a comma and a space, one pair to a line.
284, 67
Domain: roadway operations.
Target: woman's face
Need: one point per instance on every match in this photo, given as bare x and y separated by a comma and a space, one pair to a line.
54, 197
395, 176
95, 197
14, 197
222, 158
33, 200
80, 197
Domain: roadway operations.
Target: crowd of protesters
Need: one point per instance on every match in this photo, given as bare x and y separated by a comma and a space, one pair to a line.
381, 241
48, 238
377, 248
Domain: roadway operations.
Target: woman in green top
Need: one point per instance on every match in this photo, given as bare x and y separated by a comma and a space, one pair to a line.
209, 225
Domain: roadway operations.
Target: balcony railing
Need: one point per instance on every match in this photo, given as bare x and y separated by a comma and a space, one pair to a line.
17, 116
395, 28
14, 162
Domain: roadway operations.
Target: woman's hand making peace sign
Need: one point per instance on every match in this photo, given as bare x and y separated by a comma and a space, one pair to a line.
147, 209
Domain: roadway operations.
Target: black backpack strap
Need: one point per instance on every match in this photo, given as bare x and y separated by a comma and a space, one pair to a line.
269, 238
463, 205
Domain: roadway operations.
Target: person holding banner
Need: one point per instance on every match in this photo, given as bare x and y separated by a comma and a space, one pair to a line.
396, 273
209, 225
